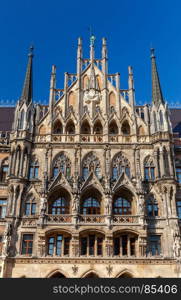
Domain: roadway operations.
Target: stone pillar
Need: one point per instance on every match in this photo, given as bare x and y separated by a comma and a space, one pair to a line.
162, 165
156, 165
75, 251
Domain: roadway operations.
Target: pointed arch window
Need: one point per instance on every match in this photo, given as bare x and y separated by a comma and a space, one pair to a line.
59, 206
30, 206
91, 163
113, 128
34, 169
4, 170
120, 164
70, 127
57, 128
152, 207
85, 128
125, 128
149, 169
90, 206
62, 164
121, 206
98, 128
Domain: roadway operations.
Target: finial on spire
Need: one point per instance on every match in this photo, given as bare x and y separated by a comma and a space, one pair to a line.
31, 51
152, 50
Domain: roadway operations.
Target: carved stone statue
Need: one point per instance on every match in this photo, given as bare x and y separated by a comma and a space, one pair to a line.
7, 239
176, 247
43, 206
141, 204
108, 205
75, 204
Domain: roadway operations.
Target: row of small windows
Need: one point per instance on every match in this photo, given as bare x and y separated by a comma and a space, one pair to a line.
120, 164
91, 206
86, 128
93, 245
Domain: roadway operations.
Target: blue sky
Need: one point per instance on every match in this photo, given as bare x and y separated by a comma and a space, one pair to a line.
130, 26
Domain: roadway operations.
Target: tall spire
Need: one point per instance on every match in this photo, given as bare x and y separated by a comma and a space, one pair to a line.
27, 92
157, 96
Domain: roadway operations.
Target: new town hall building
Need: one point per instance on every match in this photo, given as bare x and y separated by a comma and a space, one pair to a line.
90, 184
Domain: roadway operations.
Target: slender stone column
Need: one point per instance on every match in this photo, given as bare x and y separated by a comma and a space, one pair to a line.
162, 166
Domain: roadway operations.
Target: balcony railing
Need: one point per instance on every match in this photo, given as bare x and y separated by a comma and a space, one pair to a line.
87, 219
59, 219
125, 219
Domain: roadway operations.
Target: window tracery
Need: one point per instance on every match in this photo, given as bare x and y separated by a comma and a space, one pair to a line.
62, 164
120, 164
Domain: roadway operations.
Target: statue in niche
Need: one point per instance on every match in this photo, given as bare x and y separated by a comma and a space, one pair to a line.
75, 204
141, 204
108, 206
7, 239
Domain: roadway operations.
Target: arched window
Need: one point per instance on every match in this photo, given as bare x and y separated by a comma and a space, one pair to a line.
4, 170
91, 163
125, 128
85, 128
59, 206
149, 169
62, 164
34, 169
121, 206
57, 128
57, 275
90, 206
98, 128
152, 207
113, 128
120, 164
58, 244
30, 206
70, 127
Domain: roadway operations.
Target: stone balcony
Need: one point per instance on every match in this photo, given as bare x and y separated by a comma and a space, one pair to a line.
81, 220
101, 138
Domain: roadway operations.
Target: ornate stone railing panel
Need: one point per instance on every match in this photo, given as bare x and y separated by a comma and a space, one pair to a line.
125, 219
29, 222
87, 219
59, 219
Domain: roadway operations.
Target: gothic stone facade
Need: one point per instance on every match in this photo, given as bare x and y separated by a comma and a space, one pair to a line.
89, 184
